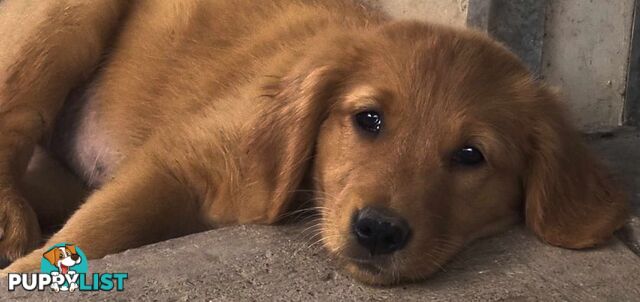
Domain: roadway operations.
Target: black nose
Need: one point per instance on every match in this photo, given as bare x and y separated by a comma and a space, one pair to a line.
75, 257
380, 231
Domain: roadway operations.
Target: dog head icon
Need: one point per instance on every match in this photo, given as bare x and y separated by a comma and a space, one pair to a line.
63, 257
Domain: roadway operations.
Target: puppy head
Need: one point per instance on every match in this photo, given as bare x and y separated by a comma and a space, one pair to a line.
420, 139
66, 253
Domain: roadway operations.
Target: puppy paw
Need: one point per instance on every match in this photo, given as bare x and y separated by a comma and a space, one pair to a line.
26, 264
19, 228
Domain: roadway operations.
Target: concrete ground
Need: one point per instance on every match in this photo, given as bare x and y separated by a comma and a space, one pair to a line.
275, 263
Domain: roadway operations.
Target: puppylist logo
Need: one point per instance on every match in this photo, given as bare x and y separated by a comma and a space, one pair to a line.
64, 268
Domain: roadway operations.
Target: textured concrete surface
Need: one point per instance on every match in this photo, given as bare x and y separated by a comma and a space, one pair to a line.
517, 23
277, 263
452, 12
632, 95
520, 24
585, 52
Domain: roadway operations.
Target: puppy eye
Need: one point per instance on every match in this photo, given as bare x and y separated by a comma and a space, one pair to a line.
468, 156
370, 121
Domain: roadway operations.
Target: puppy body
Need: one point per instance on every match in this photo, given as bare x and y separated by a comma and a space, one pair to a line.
198, 58
192, 114
206, 62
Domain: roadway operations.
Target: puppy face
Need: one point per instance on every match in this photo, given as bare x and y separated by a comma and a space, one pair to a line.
63, 257
420, 139
434, 140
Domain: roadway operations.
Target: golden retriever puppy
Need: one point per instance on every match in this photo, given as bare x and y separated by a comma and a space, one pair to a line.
187, 115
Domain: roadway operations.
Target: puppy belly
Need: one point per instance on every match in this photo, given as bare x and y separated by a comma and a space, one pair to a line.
82, 142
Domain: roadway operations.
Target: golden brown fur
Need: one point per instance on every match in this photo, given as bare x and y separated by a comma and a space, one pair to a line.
213, 112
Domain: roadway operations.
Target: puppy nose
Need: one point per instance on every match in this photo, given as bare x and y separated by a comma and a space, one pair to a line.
380, 231
75, 257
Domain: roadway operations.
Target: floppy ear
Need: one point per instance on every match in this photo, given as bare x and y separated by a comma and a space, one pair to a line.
570, 200
71, 248
283, 138
52, 255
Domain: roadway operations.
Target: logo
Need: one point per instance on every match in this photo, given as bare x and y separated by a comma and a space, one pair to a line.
64, 268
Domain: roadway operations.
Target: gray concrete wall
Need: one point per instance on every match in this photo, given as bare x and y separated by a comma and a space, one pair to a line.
452, 12
585, 53
585, 50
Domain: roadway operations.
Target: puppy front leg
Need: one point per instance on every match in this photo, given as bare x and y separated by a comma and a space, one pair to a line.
145, 203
